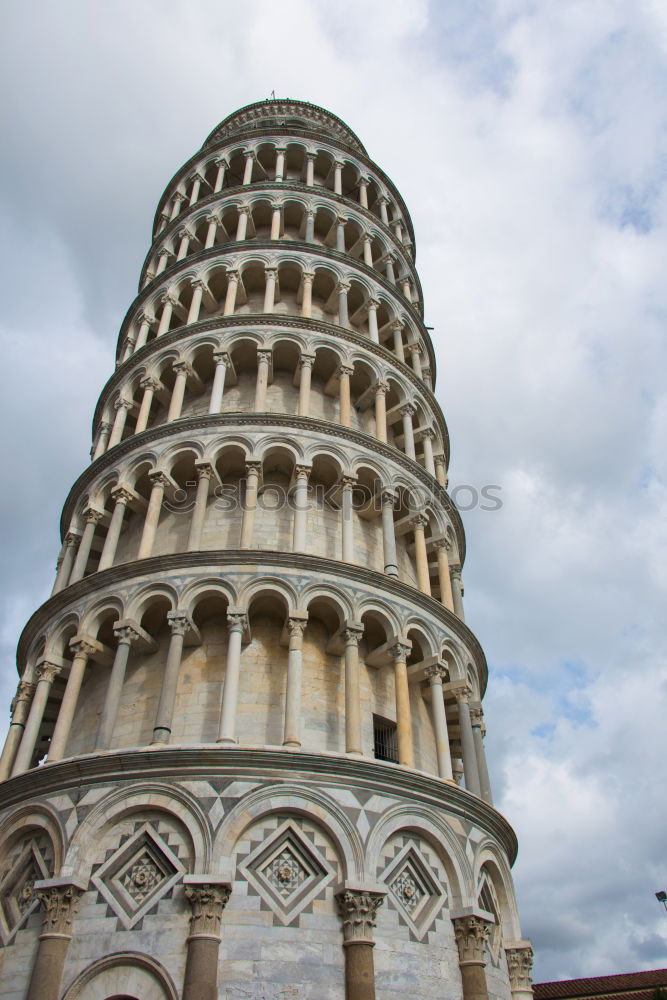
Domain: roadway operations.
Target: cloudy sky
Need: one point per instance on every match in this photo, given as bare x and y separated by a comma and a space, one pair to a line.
529, 141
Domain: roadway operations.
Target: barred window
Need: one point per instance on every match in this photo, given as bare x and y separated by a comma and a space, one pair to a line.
384, 739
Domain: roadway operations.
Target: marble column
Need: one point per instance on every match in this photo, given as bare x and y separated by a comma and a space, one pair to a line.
185, 236
415, 359
381, 388
387, 500
59, 899
212, 231
280, 162
147, 321
341, 222
276, 215
271, 276
232, 289
162, 260
343, 317
344, 373
435, 675
419, 522
263, 362
292, 732
310, 225
102, 440
441, 470
300, 502
373, 331
20, 710
237, 623
183, 371
222, 361
397, 329
93, 518
125, 635
198, 289
122, 406
399, 652
347, 484
462, 695
168, 303
457, 590
427, 442
46, 675
338, 177
306, 362
444, 578
368, 250
83, 649
150, 386
471, 933
351, 637
389, 270
519, 964
207, 897
221, 164
242, 224
72, 540
478, 733
407, 411
357, 910
310, 169
122, 496
247, 172
363, 192
196, 187
384, 215
179, 623
159, 482
252, 473
307, 294
204, 475
176, 205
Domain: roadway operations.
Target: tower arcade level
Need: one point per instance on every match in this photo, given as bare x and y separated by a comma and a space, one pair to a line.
246, 752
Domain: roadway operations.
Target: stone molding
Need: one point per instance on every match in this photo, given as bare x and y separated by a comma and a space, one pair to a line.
471, 933
519, 965
320, 566
207, 898
357, 909
271, 766
59, 899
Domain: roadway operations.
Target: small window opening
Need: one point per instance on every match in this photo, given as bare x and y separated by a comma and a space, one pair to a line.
384, 739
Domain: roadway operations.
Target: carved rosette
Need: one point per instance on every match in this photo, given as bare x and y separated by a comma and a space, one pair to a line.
357, 910
207, 902
471, 935
519, 965
60, 903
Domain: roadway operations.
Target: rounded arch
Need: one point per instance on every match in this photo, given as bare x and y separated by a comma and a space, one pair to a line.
30, 817
151, 593
297, 800
203, 590
112, 975
490, 862
272, 587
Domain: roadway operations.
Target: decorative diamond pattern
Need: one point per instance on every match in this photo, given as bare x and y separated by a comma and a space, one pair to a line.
138, 874
17, 899
414, 888
287, 871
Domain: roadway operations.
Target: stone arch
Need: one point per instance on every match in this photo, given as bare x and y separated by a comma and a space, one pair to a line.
489, 863
295, 800
124, 973
31, 847
200, 590
120, 804
271, 586
152, 592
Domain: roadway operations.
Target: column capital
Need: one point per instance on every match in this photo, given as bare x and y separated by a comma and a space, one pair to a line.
232, 274
399, 651
179, 622
123, 494
250, 154
199, 283
471, 933
462, 694
477, 716
244, 209
308, 276
310, 154
184, 231
60, 902
150, 382
408, 409
381, 387
122, 403
220, 161
519, 964
48, 671
253, 466
169, 299
264, 354
146, 317
419, 521
388, 496
296, 626
159, 478
196, 176
357, 910
24, 692
302, 471
277, 206
204, 470
72, 538
428, 432
221, 358
237, 621
437, 673
339, 163
164, 252
180, 197
455, 570
83, 647
126, 633
212, 217
207, 900
348, 481
306, 360
373, 303
182, 368
344, 286
352, 633
93, 516
442, 545
345, 369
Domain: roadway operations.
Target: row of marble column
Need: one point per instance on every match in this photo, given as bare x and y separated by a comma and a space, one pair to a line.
216, 233
77, 546
160, 322
198, 185
31, 700
208, 896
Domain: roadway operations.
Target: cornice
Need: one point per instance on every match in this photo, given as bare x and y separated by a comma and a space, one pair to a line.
286, 133
319, 566
276, 247
279, 767
265, 187
279, 106
186, 425
284, 322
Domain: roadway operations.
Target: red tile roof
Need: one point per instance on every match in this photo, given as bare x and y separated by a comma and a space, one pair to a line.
629, 985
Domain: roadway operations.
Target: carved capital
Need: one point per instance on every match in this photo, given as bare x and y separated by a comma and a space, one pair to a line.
72, 539
221, 162
126, 634
373, 304
400, 651
381, 388
237, 621
408, 409
455, 572
59, 903
308, 277
264, 356
352, 635
345, 370
519, 965
48, 671
204, 470
93, 516
437, 673
471, 934
182, 368
419, 521
122, 403
180, 197
150, 382
344, 287
159, 479
357, 911
477, 717
306, 360
302, 471
24, 692
296, 627
232, 274
221, 358
179, 623
80, 647
122, 494
462, 694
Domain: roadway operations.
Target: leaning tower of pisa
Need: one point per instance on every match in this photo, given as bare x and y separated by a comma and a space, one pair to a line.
246, 752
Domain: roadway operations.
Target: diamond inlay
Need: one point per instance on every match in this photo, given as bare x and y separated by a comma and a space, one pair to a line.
17, 898
416, 891
287, 871
407, 890
139, 873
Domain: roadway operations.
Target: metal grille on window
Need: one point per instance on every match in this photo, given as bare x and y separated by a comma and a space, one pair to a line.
384, 739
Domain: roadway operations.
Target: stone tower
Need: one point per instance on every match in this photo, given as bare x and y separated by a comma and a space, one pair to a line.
246, 752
